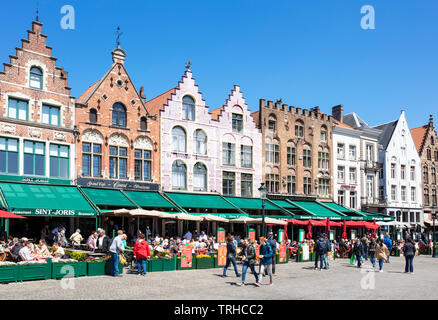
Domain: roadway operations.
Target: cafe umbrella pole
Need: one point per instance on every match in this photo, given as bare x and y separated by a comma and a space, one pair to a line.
263, 192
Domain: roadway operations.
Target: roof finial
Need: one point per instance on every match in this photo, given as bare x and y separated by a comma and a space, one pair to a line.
37, 18
431, 120
118, 33
188, 64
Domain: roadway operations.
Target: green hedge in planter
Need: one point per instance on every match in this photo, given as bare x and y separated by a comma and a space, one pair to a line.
205, 263
96, 268
169, 264
79, 269
155, 265
38, 271
9, 273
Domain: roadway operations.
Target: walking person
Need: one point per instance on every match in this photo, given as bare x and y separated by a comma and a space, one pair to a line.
382, 253
365, 244
409, 253
273, 245
231, 256
141, 253
388, 244
319, 249
327, 249
372, 251
266, 253
249, 256
358, 252
115, 249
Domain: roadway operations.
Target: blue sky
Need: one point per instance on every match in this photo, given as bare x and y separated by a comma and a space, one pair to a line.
309, 53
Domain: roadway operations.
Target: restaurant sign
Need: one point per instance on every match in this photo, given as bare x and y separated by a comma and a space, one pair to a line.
52, 212
121, 185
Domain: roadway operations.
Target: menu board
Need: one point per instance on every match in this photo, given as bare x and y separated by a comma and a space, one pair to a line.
283, 253
220, 235
306, 256
251, 235
257, 248
222, 255
186, 256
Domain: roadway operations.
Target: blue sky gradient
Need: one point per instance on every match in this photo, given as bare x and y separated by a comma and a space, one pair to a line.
309, 53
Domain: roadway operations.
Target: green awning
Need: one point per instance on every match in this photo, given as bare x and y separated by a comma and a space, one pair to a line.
251, 204
149, 199
224, 215
108, 197
346, 211
202, 201
45, 200
318, 209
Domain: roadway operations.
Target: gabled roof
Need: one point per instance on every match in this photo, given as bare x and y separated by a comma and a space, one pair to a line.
387, 131
337, 123
353, 120
216, 113
419, 134
156, 104
83, 98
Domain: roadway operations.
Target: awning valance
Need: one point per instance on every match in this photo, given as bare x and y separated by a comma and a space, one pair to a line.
45, 200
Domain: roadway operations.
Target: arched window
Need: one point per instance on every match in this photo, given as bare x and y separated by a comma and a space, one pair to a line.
178, 139
179, 175
299, 129
188, 108
119, 115
93, 115
143, 124
199, 177
272, 123
200, 142
36, 78
323, 133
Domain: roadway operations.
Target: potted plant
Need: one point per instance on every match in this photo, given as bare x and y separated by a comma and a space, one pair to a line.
8, 271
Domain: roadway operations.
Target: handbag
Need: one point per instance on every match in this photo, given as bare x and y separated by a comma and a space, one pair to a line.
122, 258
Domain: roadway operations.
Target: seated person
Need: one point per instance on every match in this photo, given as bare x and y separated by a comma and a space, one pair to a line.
59, 251
42, 250
25, 252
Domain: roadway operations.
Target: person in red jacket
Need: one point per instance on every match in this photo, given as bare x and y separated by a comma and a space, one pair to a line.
141, 253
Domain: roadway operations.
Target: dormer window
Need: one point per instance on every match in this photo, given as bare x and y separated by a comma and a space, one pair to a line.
36, 78
119, 115
143, 124
93, 115
188, 108
237, 122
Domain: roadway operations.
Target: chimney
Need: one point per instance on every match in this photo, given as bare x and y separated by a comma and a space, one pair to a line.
338, 113
431, 121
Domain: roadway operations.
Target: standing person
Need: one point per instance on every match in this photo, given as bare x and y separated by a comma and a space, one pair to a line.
188, 235
328, 248
62, 240
372, 251
231, 256
249, 255
273, 245
320, 249
103, 242
76, 239
382, 253
365, 244
45, 233
92, 240
141, 253
203, 236
358, 252
409, 253
388, 244
265, 260
115, 249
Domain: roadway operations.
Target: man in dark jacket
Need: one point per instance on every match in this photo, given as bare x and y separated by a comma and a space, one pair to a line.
409, 253
231, 256
103, 242
249, 256
320, 249
273, 245
327, 249
358, 252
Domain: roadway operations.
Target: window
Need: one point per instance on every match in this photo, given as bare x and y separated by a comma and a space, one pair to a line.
393, 193
273, 183
246, 185
237, 122
426, 197
143, 124
51, 115
119, 115
405, 217
307, 185
36, 78
17, 109
353, 199
412, 173
228, 183
353, 176
59, 158
370, 188
403, 172
435, 155
142, 165
341, 174
323, 160
307, 159
429, 154
299, 130
434, 197
200, 142
413, 194
323, 135
118, 162
199, 177
403, 193
93, 115
178, 139
8, 155
425, 174
291, 157
412, 216
393, 175
91, 159
272, 153
246, 156
291, 185
179, 175
324, 187
341, 197
369, 152
188, 108
341, 151
228, 154
352, 152
34, 162
272, 126
433, 174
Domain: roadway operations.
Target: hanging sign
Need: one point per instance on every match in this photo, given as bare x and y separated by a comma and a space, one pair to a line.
283, 253
220, 235
251, 235
222, 255
186, 256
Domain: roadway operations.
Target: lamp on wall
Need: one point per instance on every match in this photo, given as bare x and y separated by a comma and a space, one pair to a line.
76, 132
155, 146
106, 140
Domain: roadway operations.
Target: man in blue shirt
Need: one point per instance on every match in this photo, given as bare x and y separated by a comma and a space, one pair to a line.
388, 243
188, 235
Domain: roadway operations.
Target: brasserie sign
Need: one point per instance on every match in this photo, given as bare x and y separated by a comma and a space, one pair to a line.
122, 185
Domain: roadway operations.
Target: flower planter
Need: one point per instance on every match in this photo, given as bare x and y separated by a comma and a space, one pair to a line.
96, 268
40, 271
277, 259
204, 263
169, 264
155, 265
9, 273
178, 264
108, 268
69, 269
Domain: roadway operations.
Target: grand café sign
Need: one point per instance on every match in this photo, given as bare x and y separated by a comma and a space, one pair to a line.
122, 185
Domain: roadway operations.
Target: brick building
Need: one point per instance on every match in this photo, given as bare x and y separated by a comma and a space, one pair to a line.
425, 138
119, 143
297, 145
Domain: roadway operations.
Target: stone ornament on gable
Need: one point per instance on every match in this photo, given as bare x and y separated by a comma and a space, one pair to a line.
7, 128
119, 140
59, 136
35, 133
143, 143
93, 136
